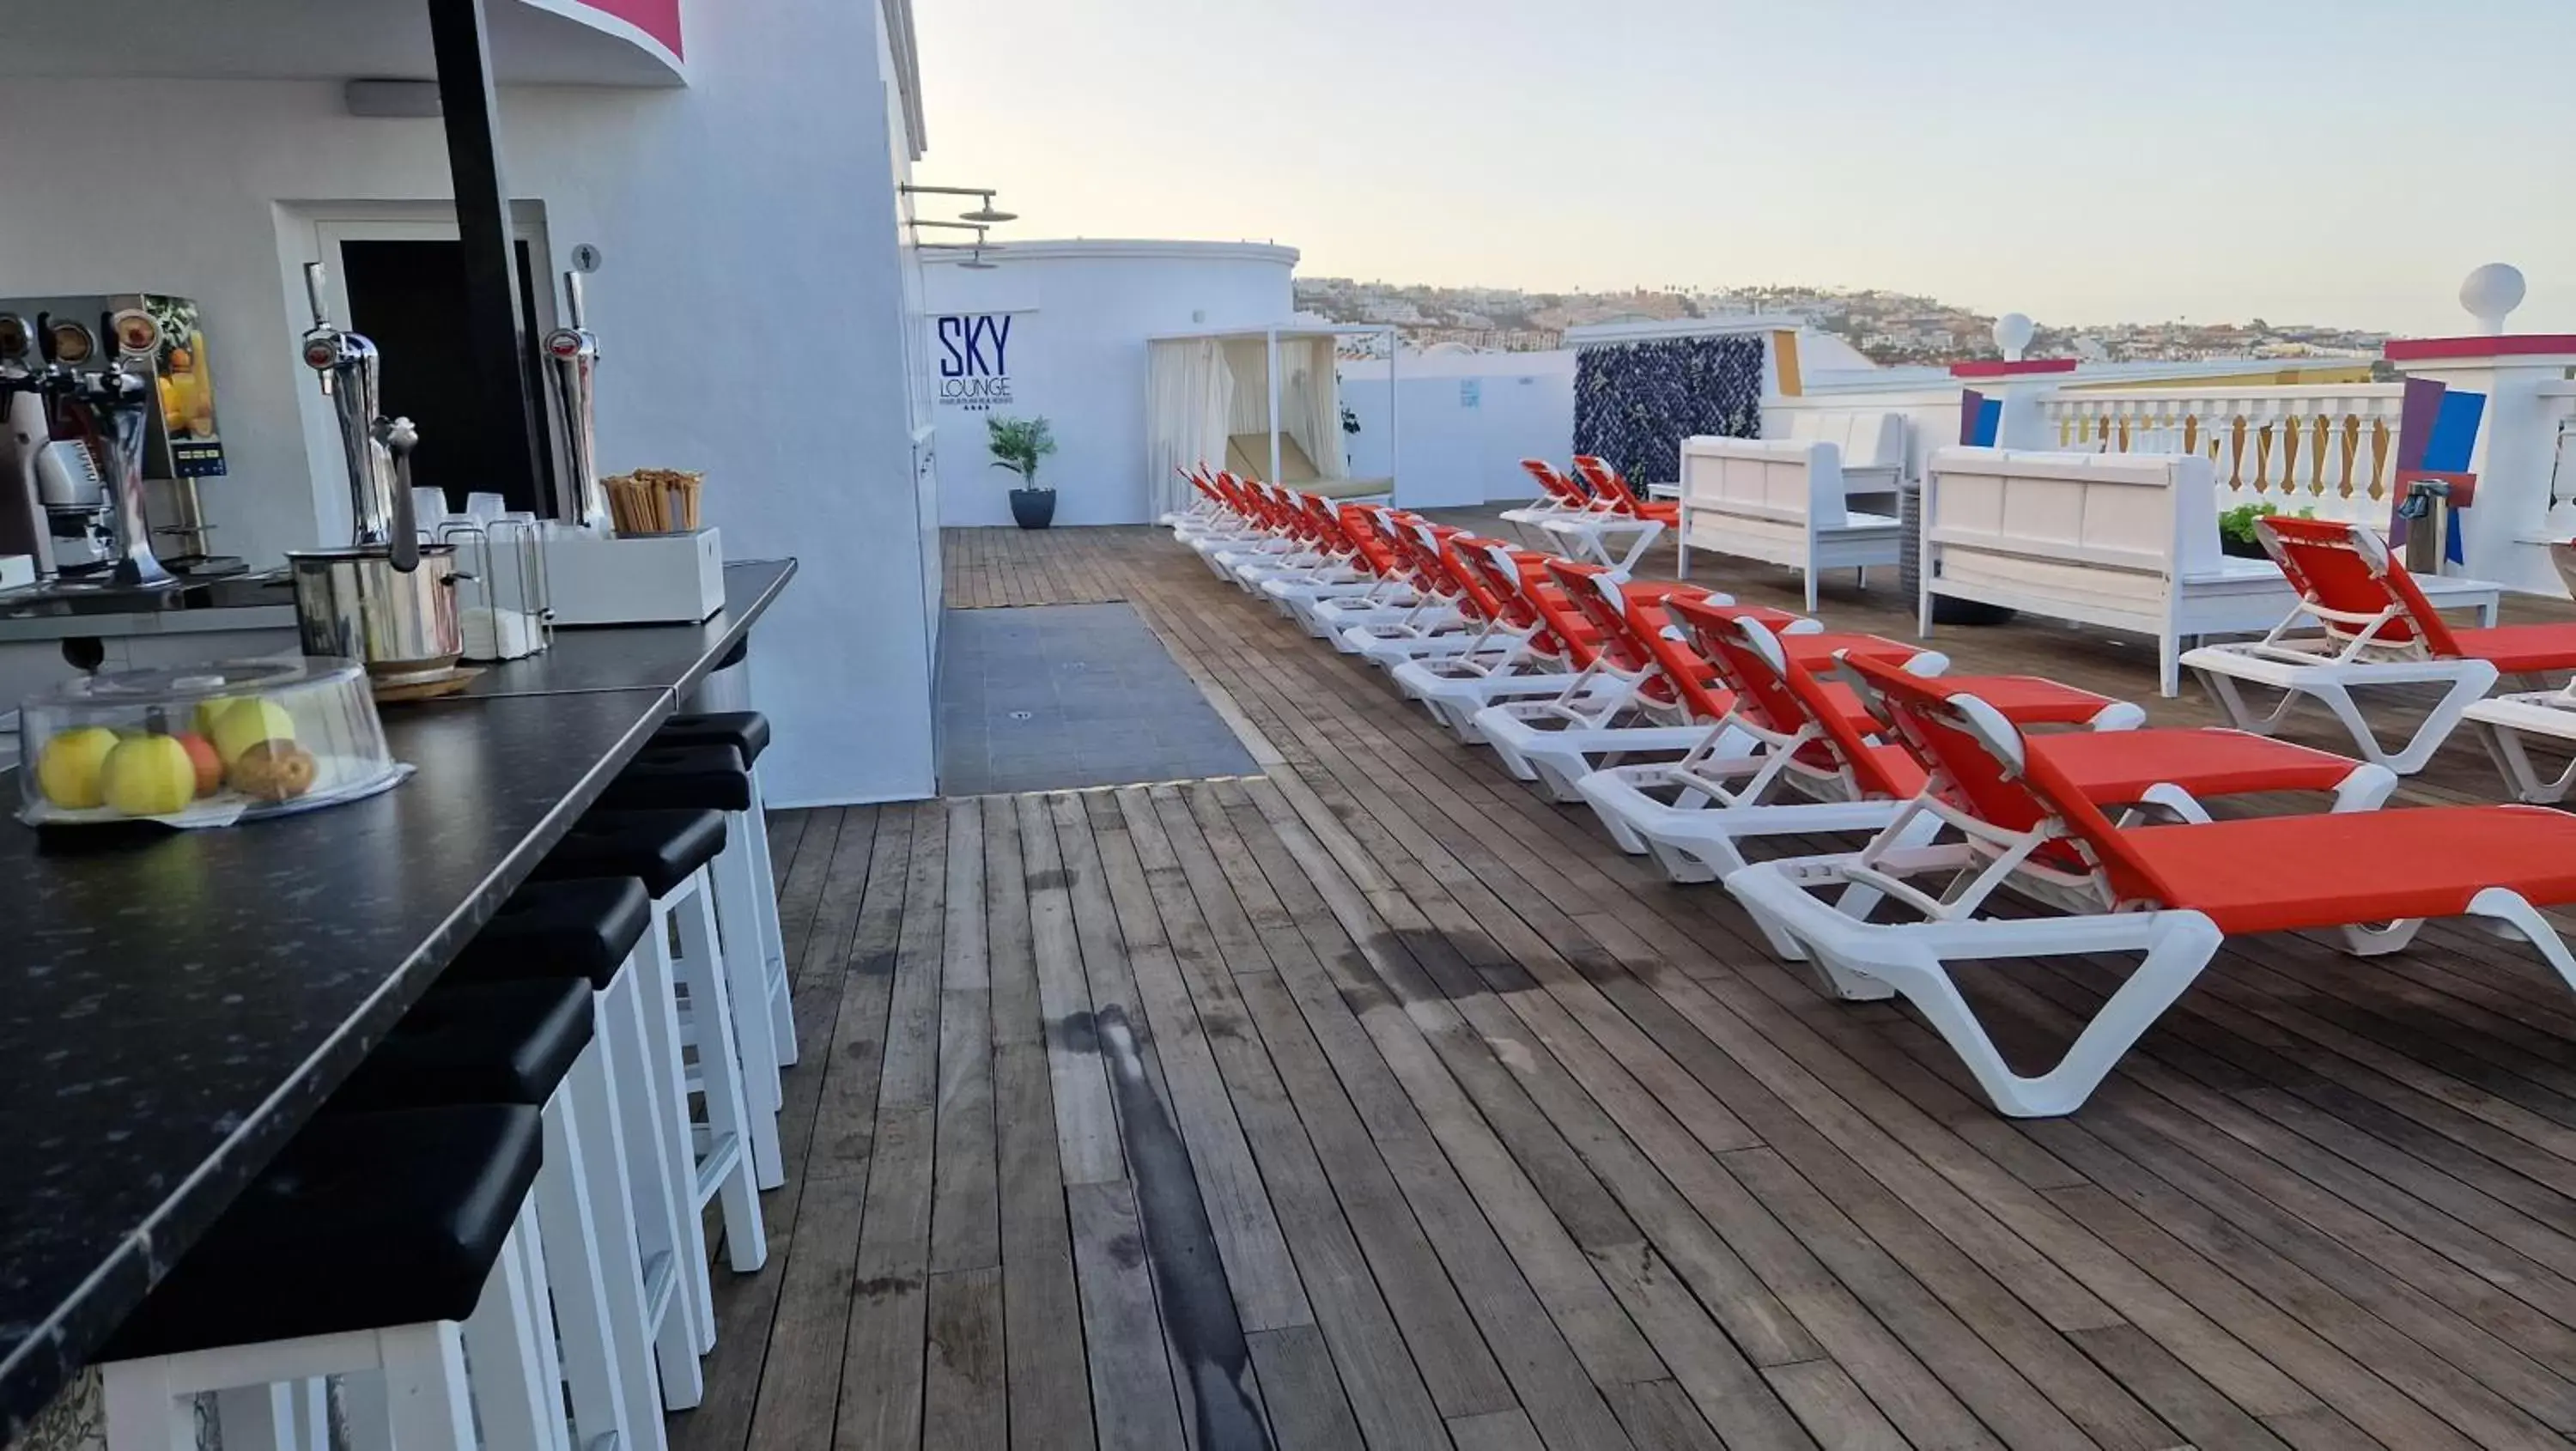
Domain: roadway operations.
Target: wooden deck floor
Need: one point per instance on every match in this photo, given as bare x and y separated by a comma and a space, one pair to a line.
1378, 1102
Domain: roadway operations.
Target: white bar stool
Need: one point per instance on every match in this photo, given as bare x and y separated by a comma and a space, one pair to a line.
712, 778
532, 1042
668, 851
747, 731
596, 929
384, 1247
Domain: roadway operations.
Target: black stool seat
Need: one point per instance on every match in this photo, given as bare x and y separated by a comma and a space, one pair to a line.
658, 848
664, 777
475, 1042
559, 929
365, 1221
747, 731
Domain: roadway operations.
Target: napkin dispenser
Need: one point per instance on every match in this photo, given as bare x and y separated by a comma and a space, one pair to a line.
633, 579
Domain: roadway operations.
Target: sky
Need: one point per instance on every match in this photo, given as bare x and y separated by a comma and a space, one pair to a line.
2333, 161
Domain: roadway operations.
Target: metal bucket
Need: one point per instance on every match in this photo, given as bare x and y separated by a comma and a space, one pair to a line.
354, 603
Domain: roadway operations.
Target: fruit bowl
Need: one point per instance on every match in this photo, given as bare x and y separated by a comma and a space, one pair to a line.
202, 745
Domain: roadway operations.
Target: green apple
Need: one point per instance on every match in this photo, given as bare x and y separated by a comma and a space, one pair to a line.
150, 776
246, 723
210, 710
69, 769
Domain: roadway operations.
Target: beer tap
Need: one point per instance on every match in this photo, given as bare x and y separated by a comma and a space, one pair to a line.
351, 376
572, 354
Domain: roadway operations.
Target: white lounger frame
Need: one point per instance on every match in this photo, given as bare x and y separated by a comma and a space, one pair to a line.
1864, 961
1730, 788
2505, 721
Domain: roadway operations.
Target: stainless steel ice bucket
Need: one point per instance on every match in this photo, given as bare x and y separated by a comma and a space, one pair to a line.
355, 602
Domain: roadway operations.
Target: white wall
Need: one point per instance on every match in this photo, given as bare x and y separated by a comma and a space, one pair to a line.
1466, 421
1080, 314
750, 310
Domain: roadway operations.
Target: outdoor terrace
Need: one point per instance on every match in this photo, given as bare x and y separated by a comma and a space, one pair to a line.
1454, 1125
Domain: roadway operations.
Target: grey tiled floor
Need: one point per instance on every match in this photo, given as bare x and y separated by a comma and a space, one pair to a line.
1046, 697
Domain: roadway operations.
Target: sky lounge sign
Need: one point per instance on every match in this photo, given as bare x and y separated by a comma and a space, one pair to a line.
974, 355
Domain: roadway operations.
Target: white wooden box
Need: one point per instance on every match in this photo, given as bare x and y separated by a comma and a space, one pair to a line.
644, 579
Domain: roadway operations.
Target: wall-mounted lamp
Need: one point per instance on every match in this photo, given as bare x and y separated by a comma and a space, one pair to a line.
984, 214
974, 261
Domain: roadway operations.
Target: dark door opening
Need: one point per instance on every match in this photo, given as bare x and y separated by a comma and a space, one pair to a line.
407, 297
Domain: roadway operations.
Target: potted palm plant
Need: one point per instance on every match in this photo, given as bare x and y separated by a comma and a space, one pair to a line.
1017, 444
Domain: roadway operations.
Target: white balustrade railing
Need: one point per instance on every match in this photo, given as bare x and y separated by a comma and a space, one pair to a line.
2329, 449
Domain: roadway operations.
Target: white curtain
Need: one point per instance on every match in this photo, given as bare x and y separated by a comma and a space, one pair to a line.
1189, 396
1310, 402
1249, 358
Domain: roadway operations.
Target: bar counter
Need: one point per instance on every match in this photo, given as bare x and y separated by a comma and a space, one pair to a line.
172, 1009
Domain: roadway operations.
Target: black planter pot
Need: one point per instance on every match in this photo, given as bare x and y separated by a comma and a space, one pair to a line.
1033, 508
2229, 544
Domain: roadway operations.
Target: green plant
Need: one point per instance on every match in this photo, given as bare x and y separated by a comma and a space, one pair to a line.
2238, 523
1017, 444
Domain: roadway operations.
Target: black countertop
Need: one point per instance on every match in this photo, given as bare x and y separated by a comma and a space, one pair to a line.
172, 1009
238, 602
232, 592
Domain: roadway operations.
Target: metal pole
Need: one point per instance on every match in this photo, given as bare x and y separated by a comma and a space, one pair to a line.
470, 104
1394, 434
1270, 347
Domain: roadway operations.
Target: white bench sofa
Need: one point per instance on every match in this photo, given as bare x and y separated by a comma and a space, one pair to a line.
2125, 541
1781, 501
1873, 445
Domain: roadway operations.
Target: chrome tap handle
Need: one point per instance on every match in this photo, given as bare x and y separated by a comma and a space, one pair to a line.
400, 437
347, 365
572, 357
317, 291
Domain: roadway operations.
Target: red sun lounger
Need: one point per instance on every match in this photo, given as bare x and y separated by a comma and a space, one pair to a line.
2363, 621
2167, 894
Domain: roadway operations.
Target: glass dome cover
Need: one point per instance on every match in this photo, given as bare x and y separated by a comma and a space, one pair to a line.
202, 745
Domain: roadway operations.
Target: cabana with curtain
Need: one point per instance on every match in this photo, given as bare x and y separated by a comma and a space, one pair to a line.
1262, 403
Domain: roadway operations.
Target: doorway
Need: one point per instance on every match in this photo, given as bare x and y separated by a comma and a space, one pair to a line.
401, 283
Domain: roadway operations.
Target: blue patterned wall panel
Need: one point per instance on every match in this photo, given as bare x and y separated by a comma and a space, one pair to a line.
1634, 403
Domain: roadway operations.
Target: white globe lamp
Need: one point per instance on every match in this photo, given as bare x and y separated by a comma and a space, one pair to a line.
2013, 333
2491, 292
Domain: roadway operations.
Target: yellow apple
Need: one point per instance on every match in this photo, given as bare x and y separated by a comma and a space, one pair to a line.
246, 723
210, 710
150, 776
69, 768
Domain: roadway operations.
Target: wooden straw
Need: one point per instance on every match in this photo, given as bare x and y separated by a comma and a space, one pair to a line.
654, 501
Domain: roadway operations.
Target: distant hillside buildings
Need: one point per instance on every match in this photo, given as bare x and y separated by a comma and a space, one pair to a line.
1890, 327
